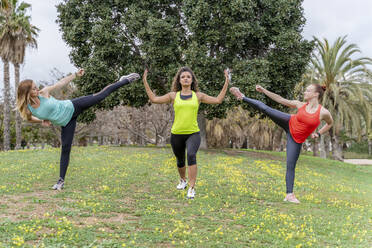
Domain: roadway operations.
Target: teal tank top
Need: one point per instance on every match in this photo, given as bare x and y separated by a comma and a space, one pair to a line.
58, 112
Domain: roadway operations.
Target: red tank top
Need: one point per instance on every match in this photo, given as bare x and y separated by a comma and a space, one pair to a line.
302, 124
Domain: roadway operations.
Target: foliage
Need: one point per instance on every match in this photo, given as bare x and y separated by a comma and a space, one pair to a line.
260, 40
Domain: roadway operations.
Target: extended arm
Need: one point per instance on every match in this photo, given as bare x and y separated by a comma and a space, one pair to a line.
216, 100
61, 83
167, 98
279, 99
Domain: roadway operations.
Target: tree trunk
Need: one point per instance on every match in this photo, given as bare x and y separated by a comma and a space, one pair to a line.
323, 150
336, 146
18, 119
278, 133
369, 147
203, 130
6, 121
315, 148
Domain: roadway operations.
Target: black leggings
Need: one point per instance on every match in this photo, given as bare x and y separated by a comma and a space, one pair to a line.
180, 142
293, 148
81, 104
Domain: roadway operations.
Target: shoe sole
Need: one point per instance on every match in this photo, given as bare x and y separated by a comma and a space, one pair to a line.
291, 201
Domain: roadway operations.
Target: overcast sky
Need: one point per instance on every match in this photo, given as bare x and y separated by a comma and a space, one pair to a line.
325, 18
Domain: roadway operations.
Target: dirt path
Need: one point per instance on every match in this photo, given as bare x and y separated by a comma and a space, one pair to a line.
359, 161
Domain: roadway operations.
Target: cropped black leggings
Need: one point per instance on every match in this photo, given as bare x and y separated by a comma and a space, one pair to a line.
293, 148
81, 104
182, 142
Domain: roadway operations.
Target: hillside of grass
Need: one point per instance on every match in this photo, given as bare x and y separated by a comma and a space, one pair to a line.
126, 197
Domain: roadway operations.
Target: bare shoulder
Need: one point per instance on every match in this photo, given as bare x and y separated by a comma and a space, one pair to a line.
172, 95
324, 112
200, 95
44, 92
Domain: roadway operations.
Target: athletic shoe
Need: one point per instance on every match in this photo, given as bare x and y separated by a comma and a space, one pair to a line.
291, 198
131, 77
59, 185
236, 92
191, 193
182, 184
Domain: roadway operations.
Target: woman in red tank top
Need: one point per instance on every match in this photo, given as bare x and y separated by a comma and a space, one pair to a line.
298, 126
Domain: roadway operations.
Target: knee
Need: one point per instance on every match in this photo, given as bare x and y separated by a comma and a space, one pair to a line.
180, 161
262, 106
180, 164
66, 148
191, 158
291, 166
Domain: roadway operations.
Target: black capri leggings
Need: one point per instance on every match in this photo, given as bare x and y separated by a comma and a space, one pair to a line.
293, 148
180, 142
81, 104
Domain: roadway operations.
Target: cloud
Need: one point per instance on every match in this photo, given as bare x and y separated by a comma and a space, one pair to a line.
329, 19
52, 51
333, 18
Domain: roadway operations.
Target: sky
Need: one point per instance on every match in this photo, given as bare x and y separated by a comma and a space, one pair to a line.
325, 18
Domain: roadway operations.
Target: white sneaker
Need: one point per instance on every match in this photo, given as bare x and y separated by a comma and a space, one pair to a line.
182, 184
59, 185
131, 77
191, 193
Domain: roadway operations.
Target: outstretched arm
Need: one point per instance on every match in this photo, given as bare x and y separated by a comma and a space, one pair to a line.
215, 100
279, 99
167, 98
61, 83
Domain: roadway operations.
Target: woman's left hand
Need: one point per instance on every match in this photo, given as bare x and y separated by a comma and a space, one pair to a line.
80, 73
314, 135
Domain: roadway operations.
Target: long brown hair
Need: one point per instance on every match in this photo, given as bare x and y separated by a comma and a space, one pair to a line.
320, 89
176, 84
24, 98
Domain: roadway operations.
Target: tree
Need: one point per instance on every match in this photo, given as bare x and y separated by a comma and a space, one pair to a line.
25, 37
4, 5
16, 33
348, 95
260, 40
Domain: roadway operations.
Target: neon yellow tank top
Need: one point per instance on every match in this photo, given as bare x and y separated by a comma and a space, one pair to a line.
185, 115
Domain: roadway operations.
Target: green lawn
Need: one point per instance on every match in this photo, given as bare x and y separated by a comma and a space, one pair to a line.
126, 197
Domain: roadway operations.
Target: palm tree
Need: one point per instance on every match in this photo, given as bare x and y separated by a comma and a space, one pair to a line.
343, 76
26, 37
4, 5
16, 33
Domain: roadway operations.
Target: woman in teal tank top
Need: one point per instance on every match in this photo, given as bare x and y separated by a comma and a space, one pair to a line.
40, 107
185, 134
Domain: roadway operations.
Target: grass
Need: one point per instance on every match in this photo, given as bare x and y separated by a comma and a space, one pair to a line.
126, 197
351, 155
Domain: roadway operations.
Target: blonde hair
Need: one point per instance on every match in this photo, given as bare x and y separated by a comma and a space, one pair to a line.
176, 84
24, 98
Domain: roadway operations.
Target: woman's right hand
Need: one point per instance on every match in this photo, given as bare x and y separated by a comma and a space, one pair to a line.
259, 88
46, 123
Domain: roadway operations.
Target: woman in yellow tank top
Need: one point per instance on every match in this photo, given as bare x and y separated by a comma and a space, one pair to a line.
185, 134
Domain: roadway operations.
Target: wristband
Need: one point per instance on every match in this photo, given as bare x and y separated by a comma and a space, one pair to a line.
318, 134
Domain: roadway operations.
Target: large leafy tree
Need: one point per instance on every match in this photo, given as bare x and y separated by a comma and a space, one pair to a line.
348, 95
260, 40
16, 33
